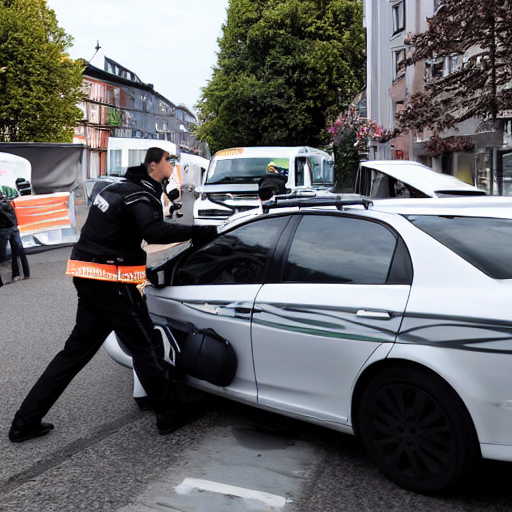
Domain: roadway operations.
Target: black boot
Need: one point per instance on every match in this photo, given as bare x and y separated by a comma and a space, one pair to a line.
186, 412
24, 433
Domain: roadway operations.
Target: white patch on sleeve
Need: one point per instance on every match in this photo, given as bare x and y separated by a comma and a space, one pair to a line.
101, 203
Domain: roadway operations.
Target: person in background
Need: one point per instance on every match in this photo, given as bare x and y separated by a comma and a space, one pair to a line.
108, 265
273, 183
9, 232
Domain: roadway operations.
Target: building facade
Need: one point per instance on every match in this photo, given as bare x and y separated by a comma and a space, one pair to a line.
118, 104
487, 160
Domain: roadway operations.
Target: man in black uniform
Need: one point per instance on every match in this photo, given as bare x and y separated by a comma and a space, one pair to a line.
108, 264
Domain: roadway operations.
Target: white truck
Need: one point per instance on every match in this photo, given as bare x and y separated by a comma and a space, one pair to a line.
231, 183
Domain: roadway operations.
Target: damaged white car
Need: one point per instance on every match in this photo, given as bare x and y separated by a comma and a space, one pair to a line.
390, 322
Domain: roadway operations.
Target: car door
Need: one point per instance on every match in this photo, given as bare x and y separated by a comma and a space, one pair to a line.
215, 287
344, 288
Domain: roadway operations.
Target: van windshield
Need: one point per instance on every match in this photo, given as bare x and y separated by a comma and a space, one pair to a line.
244, 170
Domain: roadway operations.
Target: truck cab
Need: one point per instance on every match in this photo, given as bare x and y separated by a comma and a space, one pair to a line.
230, 184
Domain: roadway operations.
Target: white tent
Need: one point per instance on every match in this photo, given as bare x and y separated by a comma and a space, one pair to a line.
11, 168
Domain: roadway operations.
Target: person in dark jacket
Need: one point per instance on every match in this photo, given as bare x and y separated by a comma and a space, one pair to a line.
107, 265
9, 232
272, 184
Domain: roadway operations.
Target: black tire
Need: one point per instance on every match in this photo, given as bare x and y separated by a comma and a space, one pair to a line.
417, 430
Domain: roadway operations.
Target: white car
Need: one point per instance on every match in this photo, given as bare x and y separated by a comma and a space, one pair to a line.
407, 179
389, 321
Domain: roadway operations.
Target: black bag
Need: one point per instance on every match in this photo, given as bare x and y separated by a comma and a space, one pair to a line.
205, 355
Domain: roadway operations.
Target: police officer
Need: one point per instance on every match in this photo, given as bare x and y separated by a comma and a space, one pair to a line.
108, 264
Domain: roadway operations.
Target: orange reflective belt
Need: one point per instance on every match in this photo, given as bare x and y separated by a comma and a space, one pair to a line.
103, 272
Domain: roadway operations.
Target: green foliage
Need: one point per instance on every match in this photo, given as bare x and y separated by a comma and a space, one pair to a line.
39, 83
285, 68
346, 160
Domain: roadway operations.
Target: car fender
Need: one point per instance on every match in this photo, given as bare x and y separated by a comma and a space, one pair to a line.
461, 369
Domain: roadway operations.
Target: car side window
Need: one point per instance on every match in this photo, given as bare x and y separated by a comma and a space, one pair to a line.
237, 257
334, 249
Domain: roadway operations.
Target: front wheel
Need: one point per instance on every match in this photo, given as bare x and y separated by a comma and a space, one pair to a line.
417, 430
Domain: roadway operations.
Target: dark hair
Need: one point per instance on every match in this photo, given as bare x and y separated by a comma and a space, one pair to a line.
154, 155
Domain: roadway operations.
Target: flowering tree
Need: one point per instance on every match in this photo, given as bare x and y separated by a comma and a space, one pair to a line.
476, 37
364, 129
351, 135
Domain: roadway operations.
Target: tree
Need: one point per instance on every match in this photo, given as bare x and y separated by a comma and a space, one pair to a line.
477, 36
285, 67
39, 83
351, 135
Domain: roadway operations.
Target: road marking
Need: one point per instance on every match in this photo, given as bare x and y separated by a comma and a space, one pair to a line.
271, 500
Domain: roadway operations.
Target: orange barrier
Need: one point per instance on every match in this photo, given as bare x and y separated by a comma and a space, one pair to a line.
42, 212
104, 272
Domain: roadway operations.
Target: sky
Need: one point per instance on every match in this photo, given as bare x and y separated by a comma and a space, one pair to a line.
171, 44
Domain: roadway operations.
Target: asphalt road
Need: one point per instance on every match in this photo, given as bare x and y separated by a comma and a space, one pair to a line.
106, 455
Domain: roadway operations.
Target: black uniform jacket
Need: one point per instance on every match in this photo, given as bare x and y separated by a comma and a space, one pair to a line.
121, 216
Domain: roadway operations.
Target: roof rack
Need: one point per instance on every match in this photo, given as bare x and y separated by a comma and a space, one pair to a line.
309, 199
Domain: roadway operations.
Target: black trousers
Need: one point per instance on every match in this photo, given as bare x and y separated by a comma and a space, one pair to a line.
104, 307
18, 256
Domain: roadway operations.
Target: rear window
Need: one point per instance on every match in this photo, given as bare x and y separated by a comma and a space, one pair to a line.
486, 243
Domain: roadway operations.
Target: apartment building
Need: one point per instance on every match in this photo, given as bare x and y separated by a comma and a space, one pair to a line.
487, 161
118, 104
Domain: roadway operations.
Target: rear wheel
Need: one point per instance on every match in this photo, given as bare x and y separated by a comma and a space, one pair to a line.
417, 430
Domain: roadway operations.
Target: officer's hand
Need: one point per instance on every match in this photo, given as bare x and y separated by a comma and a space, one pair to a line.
201, 235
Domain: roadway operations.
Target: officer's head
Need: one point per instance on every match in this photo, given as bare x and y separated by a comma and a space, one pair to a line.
159, 163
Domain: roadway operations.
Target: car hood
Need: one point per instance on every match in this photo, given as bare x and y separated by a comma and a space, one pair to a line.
219, 188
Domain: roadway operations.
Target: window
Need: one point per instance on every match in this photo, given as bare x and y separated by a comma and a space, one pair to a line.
243, 170
399, 108
332, 249
399, 17
300, 169
434, 68
116, 168
136, 157
454, 63
161, 124
486, 243
399, 58
237, 257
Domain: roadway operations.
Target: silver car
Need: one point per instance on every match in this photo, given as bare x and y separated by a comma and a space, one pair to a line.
390, 321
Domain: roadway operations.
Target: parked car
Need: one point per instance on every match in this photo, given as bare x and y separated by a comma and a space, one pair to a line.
407, 179
230, 185
390, 321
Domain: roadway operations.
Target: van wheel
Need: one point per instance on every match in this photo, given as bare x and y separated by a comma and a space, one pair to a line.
417, 430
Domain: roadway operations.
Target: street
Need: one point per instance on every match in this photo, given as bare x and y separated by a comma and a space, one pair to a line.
106, 455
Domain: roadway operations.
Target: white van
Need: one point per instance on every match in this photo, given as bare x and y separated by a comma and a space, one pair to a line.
128, 152
231, 183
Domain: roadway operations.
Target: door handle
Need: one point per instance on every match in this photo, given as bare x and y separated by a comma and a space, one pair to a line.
376, 315
242, 309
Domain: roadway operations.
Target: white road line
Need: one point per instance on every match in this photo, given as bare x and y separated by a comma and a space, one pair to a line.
271, 500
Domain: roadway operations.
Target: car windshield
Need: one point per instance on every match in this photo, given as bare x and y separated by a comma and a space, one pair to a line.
484, 242
244, 170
